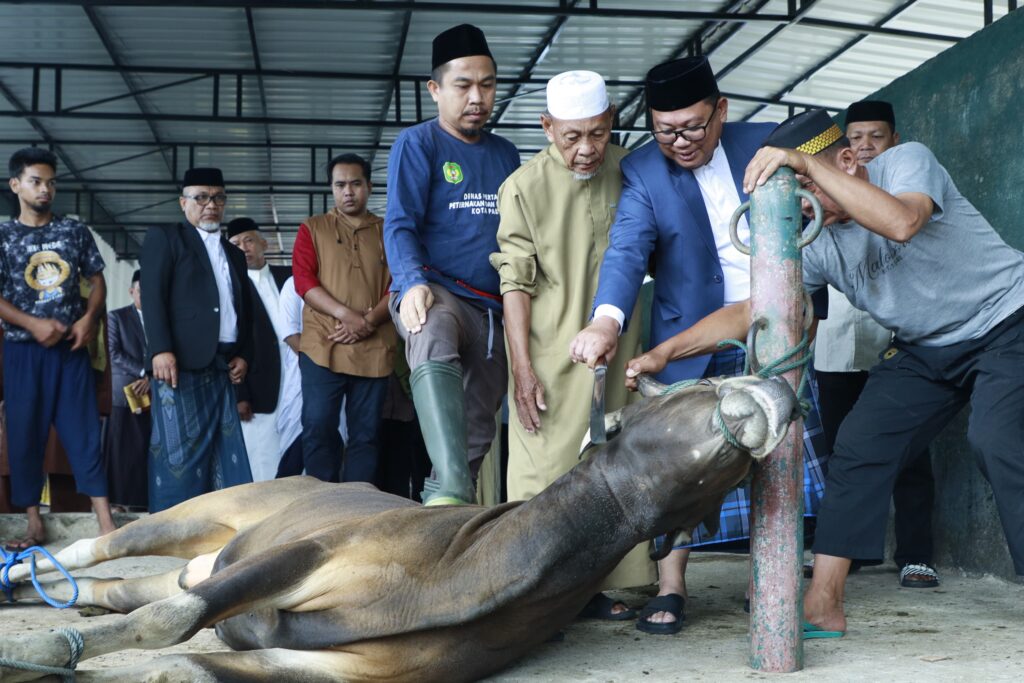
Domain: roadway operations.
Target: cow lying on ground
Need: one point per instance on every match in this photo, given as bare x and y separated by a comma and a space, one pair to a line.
313, 581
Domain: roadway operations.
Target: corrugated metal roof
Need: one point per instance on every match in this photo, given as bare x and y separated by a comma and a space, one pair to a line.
327, 82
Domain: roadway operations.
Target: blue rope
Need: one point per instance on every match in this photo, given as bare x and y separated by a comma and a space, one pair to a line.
67, 673
13, 558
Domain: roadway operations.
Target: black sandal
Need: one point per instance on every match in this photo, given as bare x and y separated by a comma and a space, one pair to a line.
671, 603
601, 607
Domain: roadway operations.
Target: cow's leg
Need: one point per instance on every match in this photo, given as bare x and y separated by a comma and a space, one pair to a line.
197, 526
254, 666
270, 580
117, 595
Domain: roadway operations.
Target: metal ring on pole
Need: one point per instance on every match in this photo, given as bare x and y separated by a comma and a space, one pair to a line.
808, 310
734, 223
815, 229
752, 362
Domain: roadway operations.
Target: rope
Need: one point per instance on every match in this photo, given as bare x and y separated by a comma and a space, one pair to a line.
76, 644
9, 560
779, 366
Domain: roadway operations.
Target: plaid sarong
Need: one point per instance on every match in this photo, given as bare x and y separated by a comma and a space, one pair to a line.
734, 522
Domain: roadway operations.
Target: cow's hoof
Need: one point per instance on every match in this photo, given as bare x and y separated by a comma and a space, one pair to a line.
445, 500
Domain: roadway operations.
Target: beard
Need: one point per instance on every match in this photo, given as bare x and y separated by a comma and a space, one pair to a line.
40, 208
470, 132
579, 177
207, 226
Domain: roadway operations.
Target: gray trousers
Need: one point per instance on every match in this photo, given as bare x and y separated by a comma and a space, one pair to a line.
465, 333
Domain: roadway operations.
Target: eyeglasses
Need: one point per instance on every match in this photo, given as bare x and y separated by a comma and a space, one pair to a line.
204, 199
690, 133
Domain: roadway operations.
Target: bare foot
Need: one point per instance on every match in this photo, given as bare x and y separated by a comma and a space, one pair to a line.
824, 611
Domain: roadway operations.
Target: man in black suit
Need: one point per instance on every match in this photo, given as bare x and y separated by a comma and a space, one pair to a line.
269, 434
198, 318
127, 432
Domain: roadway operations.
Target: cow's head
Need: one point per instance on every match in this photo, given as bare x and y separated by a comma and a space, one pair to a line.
677, 446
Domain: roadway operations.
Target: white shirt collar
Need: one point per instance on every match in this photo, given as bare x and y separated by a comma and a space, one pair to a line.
717, 164
209, 238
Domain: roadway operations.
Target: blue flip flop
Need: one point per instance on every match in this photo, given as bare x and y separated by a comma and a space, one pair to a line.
812, 631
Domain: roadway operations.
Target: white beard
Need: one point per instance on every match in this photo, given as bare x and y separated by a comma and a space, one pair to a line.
583, 176
209, 227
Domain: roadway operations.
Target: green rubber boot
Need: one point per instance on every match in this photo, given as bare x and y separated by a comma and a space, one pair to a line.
440, 407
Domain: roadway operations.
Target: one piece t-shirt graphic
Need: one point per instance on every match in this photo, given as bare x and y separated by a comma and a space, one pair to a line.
46, 273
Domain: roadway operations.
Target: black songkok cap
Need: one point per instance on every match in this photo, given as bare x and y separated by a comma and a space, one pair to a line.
679, 83
810, 132
464, 40
136, 276
871, 110
240, 225
203, 176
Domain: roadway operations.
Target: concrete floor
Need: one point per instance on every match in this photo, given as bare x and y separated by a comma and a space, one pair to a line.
969, 629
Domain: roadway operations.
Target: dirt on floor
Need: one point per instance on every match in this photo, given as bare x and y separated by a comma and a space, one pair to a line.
968, 629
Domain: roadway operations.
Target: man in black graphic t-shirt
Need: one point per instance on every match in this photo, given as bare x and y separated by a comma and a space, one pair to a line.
47, 325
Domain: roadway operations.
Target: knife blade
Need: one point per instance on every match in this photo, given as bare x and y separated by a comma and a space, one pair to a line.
597, 430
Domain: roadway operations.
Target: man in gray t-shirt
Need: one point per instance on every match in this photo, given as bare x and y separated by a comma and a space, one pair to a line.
953, 281
903, 244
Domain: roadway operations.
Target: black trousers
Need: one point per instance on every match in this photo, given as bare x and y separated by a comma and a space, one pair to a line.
914, 493
908, 399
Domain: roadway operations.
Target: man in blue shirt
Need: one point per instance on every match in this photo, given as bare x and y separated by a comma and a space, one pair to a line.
440, 228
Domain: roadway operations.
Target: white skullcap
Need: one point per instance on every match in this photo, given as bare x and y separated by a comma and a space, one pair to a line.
577, 95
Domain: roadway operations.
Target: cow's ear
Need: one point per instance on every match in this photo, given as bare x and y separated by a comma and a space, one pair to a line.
711, 521
612, 428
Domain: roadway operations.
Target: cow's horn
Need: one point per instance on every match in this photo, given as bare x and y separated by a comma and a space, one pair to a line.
650, 387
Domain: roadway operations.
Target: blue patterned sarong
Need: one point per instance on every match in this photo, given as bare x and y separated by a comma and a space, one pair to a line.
734, 521
197, 444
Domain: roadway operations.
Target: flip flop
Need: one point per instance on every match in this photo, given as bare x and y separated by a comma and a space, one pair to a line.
600, 607
23, 544
812, 631
673, 604
918, 576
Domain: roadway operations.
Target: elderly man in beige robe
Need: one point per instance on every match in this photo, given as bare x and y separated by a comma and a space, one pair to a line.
556, 211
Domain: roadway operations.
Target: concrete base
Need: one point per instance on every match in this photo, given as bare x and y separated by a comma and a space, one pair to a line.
63, 526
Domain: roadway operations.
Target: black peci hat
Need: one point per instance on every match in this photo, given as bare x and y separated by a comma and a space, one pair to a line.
240, 225
809, 132
203, 176
464, 40
679, 83
871, 110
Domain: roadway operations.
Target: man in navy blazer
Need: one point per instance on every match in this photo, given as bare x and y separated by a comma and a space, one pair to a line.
678, 196
664, 212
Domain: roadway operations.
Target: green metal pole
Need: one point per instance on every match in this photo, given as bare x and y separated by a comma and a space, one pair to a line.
777, 505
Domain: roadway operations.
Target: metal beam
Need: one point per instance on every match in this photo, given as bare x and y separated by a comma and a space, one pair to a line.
808, 5
110, 163
11, 98
255, 49
219, 144
284, 120
132, 93
688, 45
781, 92
561, 9
526, 73
115, 57
395, 90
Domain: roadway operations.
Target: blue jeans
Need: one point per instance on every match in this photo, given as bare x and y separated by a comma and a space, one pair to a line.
322, 395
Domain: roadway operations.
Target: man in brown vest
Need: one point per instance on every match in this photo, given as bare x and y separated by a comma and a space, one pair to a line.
347, 345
